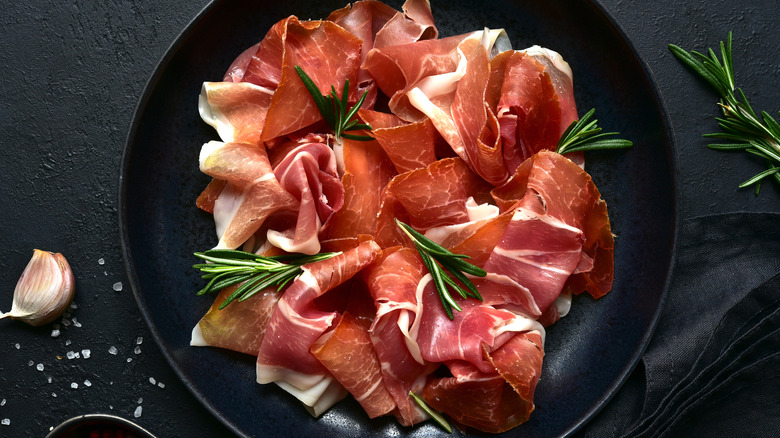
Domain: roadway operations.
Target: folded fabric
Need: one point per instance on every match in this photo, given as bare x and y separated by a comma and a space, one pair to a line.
715, 353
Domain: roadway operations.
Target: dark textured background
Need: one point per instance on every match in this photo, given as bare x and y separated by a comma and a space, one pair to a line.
72, 73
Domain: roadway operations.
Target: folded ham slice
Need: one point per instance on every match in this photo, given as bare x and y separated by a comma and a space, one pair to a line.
296, 323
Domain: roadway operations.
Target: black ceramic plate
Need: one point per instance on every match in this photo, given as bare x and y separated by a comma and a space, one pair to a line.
588, 354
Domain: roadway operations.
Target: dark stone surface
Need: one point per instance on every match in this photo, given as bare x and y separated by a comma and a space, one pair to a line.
73, 73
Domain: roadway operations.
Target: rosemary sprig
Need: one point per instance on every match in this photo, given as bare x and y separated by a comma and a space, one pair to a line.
228, 267
334, 109
437, 417
741, 126
431, 253
585, 135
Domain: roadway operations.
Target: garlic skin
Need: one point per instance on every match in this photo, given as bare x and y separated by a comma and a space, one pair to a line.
45, 289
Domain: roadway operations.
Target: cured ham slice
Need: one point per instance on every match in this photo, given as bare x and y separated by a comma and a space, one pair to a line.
393, 281
251, 192
497, 401
230, 327
347, 352
367, 170
551, 184
308, 172
236, 110
328, 54
409, 146
429, 197
477, 325
296, 323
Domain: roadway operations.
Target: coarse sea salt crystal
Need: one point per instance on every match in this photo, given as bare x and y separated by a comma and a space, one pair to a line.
68, 342
70, 355
161, 385
140, 400
118, 286
152, 381
55, 333
48, 379
30, 363
86, 353
87, 383
74, 385
137, 350
2, 402
39, 367
76, 323
139, 340
17, 346
138, 411
74, 306
101, 261
66, 322
129, 359
6, 421
112, 350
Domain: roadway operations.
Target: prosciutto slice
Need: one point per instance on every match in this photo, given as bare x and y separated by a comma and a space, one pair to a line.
236, 111
393, 281
497, 401
296, 324
308, 173
551, 184
250, 194
429, 197
410, 146
347, 352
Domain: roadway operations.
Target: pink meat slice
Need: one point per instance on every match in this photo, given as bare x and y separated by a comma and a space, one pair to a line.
236, 110
251, 191
297, 323
392, 281
308, 172
410, 146
367, 170
328, 54
348, 353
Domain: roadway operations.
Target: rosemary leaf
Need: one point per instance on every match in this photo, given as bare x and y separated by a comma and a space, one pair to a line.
437, 417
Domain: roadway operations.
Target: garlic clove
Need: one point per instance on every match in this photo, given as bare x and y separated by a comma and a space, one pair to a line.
45, 289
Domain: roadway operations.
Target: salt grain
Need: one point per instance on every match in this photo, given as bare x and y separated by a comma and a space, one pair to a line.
39, 367
2, 402
54, 394
87, 383
152, 381
6, 422
118, 286
161, 385
76, 323
111, 407
30, 363
101, 261
137, 413
70, 355
86, 353
74, 306
129, 359
48, 379
68, 342
55, 333
139, 340
66, 322
17, 346
137, 350
112, 350
74, 385
140, 400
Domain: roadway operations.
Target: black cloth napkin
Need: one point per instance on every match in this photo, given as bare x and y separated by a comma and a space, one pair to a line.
712, 367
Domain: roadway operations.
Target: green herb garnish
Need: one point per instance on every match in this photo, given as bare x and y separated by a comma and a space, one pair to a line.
431, 253
437, 417
741, 126
334, 109
229, 267
585, 135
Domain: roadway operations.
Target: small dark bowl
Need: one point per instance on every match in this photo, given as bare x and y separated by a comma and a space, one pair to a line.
99, 425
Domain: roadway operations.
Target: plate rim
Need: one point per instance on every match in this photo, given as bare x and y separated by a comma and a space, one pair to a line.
587, 415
